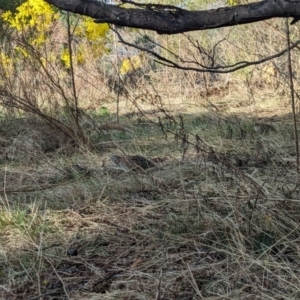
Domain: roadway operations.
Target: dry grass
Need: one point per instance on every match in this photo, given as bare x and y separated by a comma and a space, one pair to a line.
213, 226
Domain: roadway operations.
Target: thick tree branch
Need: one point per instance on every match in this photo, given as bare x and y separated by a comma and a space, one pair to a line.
167, 19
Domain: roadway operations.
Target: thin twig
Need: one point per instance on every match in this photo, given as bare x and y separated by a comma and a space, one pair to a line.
292, 91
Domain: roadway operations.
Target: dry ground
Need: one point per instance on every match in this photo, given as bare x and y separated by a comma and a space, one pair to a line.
216, 224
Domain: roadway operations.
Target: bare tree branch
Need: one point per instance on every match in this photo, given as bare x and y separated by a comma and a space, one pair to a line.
167, 19
217, 69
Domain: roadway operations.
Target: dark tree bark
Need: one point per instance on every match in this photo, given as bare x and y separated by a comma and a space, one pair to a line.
167, 19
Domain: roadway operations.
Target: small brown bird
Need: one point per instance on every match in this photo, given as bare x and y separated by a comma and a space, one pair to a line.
134, 162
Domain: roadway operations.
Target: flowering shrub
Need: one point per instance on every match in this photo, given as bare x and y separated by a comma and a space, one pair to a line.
34, 16
6, 64
131, 64
65, 57
91, 33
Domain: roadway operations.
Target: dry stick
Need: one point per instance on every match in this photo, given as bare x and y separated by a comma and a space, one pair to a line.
292, 90
254, 207
76, 109
71, 66
118, 71
4, 189
158, 293
59, 277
